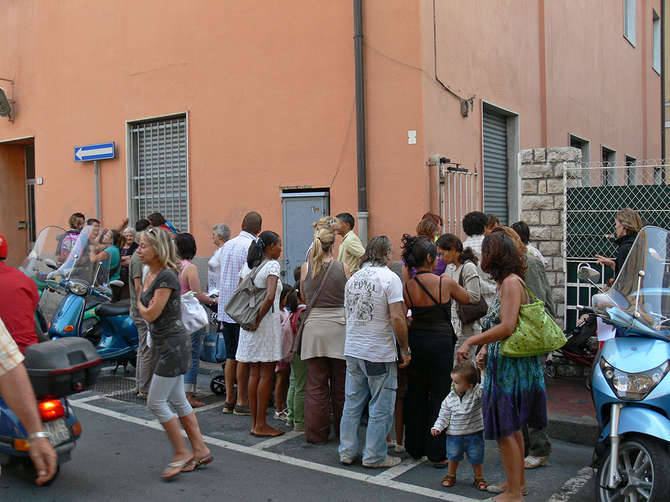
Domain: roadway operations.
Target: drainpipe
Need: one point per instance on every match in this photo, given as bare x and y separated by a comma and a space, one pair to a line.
362, 214
663, 70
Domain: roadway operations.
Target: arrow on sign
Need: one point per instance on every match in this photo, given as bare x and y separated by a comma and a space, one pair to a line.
80, 153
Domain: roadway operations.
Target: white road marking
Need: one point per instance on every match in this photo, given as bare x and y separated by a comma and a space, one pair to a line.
400, 469
269, 443
572, 486
84, 399
378, 480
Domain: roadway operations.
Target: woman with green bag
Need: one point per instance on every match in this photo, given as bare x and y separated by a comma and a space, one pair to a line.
514, 393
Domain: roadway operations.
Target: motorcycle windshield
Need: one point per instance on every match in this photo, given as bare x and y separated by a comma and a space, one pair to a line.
86, 261
643, 284
50, 250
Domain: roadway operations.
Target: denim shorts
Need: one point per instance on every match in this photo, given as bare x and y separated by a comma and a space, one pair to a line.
472, 444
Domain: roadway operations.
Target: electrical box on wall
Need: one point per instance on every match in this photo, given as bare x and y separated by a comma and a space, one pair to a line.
411, 137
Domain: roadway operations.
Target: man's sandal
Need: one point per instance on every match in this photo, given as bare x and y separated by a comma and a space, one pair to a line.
449, 480
532, 462
480, 484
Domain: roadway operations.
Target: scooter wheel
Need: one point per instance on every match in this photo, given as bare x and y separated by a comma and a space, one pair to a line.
643, 470
218, 385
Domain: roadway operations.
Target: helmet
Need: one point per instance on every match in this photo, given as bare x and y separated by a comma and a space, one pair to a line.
3, 247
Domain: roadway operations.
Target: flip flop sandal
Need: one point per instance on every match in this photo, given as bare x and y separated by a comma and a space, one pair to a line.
173, 466
500, 489
449, 480
480, 484
531, 462
194, 465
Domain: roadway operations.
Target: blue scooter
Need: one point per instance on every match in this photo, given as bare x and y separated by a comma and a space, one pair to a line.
86, 283
630, 387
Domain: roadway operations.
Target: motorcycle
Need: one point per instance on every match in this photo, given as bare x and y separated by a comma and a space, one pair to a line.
630, 387
86, 311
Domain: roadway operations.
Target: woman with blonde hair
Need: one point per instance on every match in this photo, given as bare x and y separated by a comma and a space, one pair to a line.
160, 306
627, 223
322, 283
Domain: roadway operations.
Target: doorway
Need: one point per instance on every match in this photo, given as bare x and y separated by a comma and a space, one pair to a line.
299, 211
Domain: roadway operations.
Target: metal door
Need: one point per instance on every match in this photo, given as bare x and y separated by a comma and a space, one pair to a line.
300, 210
495, 165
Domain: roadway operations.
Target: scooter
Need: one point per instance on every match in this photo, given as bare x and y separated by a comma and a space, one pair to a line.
86, 288
630, 387
57, 369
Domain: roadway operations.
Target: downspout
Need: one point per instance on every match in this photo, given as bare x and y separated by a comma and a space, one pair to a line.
663, 69
362, 214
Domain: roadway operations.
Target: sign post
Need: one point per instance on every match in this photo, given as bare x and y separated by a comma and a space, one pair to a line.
95, 153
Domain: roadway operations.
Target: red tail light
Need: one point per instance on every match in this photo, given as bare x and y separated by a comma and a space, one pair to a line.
51, 410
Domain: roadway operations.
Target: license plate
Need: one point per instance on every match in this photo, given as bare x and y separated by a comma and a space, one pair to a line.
59, 431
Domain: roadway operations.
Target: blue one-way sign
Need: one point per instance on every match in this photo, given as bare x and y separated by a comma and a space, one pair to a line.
94, 152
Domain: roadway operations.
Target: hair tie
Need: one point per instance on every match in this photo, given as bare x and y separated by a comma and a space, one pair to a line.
261, 243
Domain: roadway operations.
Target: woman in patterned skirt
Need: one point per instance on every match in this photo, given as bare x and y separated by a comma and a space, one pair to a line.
514, 391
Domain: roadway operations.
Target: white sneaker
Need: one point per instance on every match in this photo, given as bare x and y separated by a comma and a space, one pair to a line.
387, 462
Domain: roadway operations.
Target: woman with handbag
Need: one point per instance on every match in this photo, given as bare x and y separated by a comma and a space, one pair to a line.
159, 305
261, 346
465, 318
431, 341
322, 346
190, 281
514, 392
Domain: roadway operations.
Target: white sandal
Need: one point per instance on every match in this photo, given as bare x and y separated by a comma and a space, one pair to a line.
531, 462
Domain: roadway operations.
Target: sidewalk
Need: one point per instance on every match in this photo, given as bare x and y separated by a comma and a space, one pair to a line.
570, 410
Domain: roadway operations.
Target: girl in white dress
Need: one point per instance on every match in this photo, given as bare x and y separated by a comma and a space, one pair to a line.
262, 347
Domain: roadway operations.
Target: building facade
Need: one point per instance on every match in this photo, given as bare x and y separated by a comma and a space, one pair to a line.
218, 108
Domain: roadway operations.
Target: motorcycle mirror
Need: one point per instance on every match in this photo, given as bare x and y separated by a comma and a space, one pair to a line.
588, 274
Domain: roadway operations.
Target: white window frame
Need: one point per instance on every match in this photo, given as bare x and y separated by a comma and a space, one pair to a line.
130, 167
629, 20
608, 176
656, 42
586, 156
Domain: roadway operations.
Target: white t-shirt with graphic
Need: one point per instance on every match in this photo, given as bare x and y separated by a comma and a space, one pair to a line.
366, 299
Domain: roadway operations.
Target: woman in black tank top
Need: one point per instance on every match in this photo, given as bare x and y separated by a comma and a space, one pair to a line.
431, 340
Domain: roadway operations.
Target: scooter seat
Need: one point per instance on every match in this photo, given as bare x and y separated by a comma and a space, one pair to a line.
112, 309
92, 301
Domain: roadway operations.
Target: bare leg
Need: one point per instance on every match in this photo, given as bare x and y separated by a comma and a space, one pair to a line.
181, 452
262, 398
281, 390
518, 435
512, 459
242, 373
229, 377
200, 450
254, 378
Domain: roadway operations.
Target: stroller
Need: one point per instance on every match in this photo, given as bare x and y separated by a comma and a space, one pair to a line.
576, 357
218, 384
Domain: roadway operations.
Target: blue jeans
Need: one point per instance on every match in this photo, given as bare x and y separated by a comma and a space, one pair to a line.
379, 382
191, 378
472, 444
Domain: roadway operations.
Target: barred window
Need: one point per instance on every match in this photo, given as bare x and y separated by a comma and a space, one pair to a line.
158, 171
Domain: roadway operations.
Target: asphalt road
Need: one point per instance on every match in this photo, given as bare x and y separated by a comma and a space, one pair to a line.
123, 451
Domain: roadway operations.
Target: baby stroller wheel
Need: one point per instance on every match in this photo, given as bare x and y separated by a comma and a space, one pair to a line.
218, 385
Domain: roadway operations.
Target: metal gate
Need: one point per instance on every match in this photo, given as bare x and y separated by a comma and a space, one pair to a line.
594, 193
459, 194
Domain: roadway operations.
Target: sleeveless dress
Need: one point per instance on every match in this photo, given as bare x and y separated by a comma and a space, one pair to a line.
431, 340
514, 392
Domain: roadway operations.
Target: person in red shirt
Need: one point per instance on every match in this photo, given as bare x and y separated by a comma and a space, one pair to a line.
18, 301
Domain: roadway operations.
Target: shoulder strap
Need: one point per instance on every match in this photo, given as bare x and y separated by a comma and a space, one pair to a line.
408, 295
426, 291
440, 290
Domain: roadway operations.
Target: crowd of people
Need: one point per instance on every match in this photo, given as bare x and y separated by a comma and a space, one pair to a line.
356, 339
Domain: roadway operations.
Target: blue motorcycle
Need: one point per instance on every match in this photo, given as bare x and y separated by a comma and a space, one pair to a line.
86, 287
630, 387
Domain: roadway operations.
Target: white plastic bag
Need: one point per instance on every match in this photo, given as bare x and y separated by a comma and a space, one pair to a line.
193, 315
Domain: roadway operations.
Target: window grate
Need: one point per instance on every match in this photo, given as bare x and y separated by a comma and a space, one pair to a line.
159, 170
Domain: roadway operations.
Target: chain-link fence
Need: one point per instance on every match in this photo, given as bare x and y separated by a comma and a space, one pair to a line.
594, 194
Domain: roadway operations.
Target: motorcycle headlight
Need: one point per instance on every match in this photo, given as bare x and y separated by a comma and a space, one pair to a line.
77, 288
633, 386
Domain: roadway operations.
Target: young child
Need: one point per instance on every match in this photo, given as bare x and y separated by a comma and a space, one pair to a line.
282, 368
461, 416
296, 390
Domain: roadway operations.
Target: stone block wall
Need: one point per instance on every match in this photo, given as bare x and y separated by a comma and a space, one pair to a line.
543, 209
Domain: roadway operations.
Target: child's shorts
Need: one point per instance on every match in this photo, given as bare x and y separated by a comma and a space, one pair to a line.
472, 444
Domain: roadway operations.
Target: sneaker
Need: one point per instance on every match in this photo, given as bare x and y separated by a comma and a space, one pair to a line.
242, 411
228, 408
281, 415
346, 460
399, 448
387, 462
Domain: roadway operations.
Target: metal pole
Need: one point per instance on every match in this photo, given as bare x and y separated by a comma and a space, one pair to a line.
97, 189
359, 68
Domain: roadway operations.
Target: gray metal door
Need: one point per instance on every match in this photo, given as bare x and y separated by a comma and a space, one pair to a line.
495, 165
300, 210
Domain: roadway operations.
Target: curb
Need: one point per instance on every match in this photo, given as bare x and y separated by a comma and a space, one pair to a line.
582, 430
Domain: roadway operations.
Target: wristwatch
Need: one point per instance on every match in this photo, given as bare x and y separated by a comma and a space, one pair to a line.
37, 435
406, 352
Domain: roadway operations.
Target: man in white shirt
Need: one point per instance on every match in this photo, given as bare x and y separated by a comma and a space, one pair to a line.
232, 258
375, 312
474, 225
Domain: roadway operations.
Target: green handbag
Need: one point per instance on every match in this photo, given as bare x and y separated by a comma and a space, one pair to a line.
536, 332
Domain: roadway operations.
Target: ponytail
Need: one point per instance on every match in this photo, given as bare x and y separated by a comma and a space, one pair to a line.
257, 249
468, 255
324, 238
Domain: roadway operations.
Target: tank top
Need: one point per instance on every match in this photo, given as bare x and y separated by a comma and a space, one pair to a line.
432, 317
182, 280
332, 294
